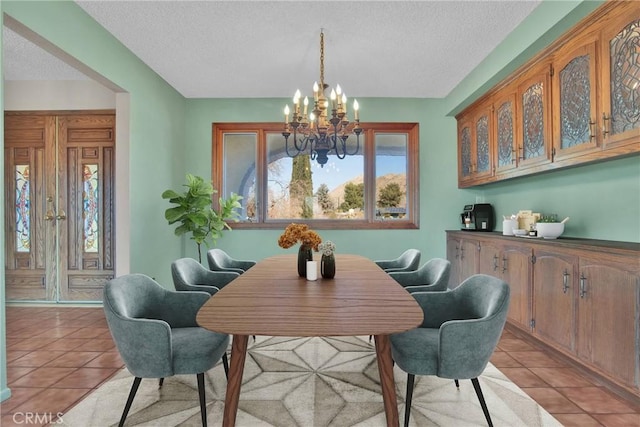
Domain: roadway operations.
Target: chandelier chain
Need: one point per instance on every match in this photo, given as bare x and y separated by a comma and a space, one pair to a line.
322, 60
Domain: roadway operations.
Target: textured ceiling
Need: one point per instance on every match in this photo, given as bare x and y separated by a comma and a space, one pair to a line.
219, 49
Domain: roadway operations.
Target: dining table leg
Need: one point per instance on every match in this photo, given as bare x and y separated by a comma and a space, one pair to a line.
387, 382
234, 382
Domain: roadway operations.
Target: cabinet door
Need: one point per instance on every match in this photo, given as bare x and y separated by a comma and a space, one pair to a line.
534, 118
482, 152
489, 260
504, 110
620, 54
465, 149
516, 271
608, 302
554, 293
468, 259
574, 99
453, 255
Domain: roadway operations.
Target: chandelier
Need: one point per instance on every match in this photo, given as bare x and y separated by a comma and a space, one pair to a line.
315, 133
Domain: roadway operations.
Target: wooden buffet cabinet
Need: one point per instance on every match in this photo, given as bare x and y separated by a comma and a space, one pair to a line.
580, 297
573, 103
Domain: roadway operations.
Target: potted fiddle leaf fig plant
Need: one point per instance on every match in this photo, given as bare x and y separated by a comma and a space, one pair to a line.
194, 214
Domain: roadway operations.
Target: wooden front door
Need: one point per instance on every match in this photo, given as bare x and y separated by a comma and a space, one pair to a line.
59, 228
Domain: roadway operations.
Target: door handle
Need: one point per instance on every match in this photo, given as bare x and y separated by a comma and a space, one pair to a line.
565, 281
50, 216
495, 262
583, 286
50, 208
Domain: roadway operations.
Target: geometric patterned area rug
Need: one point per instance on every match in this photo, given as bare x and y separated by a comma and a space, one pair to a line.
317, 381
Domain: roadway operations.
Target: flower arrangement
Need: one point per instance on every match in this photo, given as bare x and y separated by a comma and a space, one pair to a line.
295, 233
327, 248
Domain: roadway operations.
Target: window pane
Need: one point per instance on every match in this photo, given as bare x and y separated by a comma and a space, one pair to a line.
240, 171
90, 207
300, 188
391, 176
23, 209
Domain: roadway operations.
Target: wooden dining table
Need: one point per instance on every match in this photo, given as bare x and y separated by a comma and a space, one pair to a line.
271, 299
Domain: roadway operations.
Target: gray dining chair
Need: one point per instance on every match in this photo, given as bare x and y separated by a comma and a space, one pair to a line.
460, 331
432, 276
189, 275
156, 333
219, 260
409, 260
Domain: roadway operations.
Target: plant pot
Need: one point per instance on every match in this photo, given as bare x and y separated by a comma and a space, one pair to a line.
304, 254
328, 266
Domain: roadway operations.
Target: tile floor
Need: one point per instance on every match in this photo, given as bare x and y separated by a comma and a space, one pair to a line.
58, 355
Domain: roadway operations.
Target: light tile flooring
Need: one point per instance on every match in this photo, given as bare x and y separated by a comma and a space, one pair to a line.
58, 355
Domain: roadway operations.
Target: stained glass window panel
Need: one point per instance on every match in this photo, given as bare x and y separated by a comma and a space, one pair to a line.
23, 209
505, 134
465, 149
90, 207
625, 79
482, 143
575, 102
533, 120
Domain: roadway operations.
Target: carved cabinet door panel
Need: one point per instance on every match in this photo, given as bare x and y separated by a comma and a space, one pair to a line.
574, 100
504, 110
534, 117
620, 81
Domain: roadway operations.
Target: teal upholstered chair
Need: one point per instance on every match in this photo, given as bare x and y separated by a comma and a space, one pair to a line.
189, 275
433, 276
219, 260
409, 260
156, 333
460, 331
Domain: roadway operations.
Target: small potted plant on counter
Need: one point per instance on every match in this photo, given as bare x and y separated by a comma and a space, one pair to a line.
548, 226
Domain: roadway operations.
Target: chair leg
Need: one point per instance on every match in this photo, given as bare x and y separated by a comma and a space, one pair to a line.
160, 382
457, 383
203, 405
132, 394
407, 400
476, 386
225, 363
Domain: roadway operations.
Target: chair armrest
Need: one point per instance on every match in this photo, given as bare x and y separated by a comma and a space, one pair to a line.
386, 263
467, 345
179, 309
438, 307
143, 344
423, 288
220, 278
410, 278
229, 270
244, 265
211, 290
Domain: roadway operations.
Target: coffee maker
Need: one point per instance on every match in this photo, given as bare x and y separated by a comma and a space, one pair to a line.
477, 217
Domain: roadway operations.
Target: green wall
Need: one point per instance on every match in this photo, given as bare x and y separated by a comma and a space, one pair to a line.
171, 136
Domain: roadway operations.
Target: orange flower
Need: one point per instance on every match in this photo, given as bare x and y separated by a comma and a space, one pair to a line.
295, 233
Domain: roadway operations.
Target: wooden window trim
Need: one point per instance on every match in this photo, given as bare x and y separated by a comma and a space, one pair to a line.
369, 223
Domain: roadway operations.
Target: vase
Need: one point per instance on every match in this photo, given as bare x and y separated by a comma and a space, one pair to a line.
328, 266
304, 254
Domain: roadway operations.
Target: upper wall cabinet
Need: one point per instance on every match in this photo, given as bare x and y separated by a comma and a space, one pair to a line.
576, 102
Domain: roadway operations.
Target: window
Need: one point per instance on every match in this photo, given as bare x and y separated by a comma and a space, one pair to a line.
377, 187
